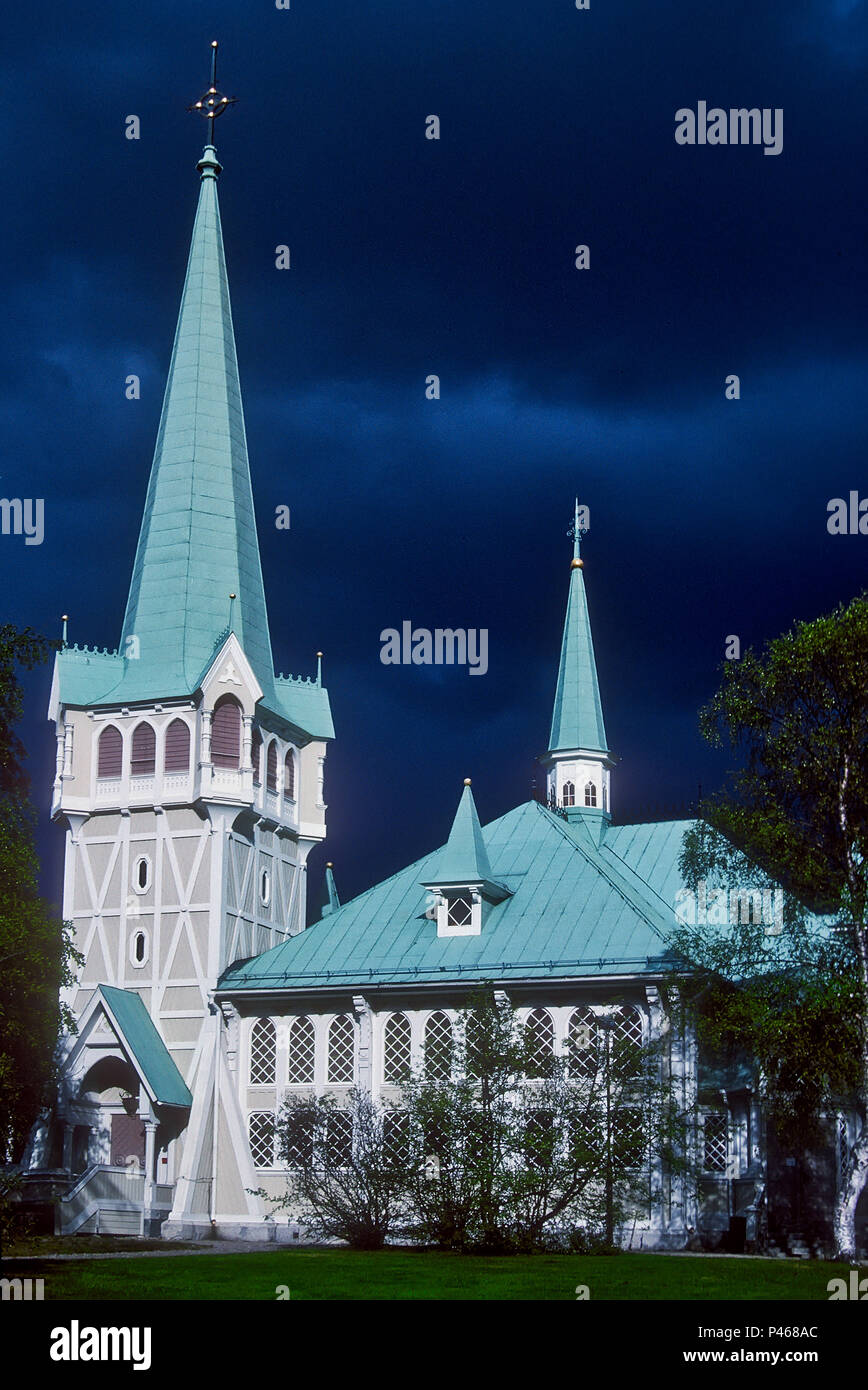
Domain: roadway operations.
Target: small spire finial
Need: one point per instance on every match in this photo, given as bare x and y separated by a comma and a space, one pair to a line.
467, 781
319, 668
213, 103
64, 618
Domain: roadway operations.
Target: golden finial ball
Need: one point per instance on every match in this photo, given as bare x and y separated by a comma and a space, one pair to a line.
319, 653
577, 564
329, 864
467, 781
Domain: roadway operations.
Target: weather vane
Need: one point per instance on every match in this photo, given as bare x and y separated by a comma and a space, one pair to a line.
213, 103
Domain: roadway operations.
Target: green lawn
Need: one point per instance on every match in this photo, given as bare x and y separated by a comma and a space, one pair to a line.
424, 1275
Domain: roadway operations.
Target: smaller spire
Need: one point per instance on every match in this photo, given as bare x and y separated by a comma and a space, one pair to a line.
463, 860
319, 657
329, 900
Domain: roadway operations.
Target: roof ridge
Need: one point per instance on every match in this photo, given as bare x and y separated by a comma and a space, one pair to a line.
602, 870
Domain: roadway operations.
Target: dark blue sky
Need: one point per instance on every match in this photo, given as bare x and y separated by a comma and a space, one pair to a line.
455, 257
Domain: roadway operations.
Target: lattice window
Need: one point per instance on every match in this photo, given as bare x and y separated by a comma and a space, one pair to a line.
626, 1034
588, 1140
298, 1140
569, 794
438, 1048
339, 1139
715, 1131
260, 1130
459, 911
143, 759
539, 1034
110, 752
590, 794
474, 1044
263, 1053
583, 1043
342, 1049
540, 1139
397, 1145
396, 1048
302, 1047
629, 1142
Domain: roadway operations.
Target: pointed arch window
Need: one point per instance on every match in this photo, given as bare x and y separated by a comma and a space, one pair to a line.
110, 753
263, 1053
438, 1048
143, 760
396, 1048
256, 757
271, 767
301, 1052
569, 794
539, 1033
582, 1044
289, 776
177, 754
226, 733
342, 1050
590, 794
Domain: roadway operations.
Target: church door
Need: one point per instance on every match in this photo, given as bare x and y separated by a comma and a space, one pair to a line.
128, 1141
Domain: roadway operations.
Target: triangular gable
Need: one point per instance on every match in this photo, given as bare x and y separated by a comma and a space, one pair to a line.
138, 1038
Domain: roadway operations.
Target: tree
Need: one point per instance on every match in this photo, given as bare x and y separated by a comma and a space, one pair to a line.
523, 1146
794, 814
36, 950
347, 1168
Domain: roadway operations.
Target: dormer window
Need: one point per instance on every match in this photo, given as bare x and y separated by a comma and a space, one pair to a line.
459, 911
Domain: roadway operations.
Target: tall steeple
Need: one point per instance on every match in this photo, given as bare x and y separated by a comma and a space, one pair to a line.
578, 757
198, 544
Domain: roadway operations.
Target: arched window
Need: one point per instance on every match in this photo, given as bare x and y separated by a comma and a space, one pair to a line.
256, 757
226, 733
177, 754
582, 1041
289, 776
144, 751
271, 767
590, 794
110, 753
539, 1034
438, 1048
260, 1132
605, 798
626, 1040
396, 1048
569, 794
301, 1052
342, 1050
263, 1053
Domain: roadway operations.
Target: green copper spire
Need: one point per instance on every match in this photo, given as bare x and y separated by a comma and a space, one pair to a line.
577, 719
198, 541
329, 900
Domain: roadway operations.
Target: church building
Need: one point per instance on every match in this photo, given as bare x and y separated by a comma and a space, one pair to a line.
189, 785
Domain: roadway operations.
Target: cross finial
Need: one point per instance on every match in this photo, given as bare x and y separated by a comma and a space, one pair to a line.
213, 103
575, 532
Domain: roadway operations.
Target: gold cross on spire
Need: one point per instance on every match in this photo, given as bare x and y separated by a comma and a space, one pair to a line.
213, 103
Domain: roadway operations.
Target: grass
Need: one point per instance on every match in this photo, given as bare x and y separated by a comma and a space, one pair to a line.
411, 1275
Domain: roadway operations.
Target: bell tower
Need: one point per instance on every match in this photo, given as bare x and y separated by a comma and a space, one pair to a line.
188, 774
